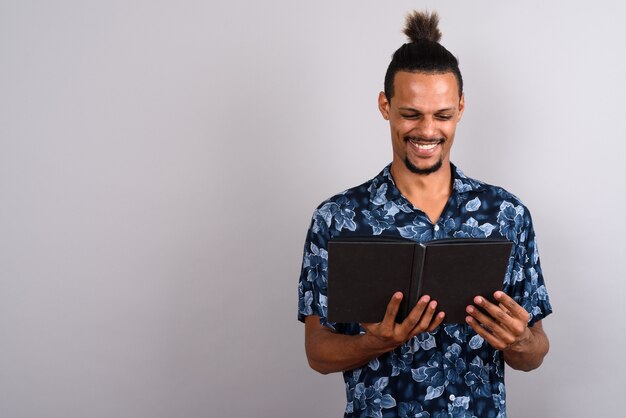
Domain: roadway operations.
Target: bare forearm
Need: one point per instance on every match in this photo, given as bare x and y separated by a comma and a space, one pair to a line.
529, 354
329, 352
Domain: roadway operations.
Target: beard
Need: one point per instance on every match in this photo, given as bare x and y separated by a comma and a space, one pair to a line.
424, 171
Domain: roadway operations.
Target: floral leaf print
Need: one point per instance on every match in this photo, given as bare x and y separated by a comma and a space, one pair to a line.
473, 205
459, 406
324, 214
476, 342
542, 293
431, 374
379, 198
477, 378
344, 217
378, 219
399, 206
497, 362
520, 254
425, 341
453, 364
420, 231
456, 331
371, 400
471, 229
316, 265
412, 410
433, 392
401, 362
320, 226
449, 225
487, 228
341, 211
323, 305
534, 254
499, 399
381, 383
511, 219
517, 275
307, 301
461, 186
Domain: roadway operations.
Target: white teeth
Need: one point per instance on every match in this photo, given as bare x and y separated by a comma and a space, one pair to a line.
425, 146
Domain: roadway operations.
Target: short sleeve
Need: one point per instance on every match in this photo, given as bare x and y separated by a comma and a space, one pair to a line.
524, 281
313, 284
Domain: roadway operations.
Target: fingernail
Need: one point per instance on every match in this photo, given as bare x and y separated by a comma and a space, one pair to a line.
478, 299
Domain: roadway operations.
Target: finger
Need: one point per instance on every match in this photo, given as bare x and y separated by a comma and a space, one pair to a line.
499, 315
505, 335
413, 318
437, 321
516, 310
487, 321
425, 320
506, 311
492, 339
392, 310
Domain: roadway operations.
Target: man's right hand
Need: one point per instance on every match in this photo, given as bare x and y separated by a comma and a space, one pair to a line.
329, 352
387, 334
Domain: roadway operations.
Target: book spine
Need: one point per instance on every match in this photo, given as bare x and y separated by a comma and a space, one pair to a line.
417, 269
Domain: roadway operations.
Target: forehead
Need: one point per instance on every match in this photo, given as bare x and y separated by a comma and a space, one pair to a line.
425, 90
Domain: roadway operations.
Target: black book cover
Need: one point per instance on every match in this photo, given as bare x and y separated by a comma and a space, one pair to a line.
364, 272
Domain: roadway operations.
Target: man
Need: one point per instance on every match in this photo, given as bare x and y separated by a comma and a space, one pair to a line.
424, 367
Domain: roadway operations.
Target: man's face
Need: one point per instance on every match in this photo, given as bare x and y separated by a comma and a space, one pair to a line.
422, 114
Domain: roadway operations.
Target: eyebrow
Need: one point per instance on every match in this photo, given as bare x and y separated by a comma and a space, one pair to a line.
410, 109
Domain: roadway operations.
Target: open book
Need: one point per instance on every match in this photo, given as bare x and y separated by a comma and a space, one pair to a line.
364, 272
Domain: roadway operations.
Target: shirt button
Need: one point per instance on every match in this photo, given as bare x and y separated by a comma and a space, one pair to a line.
436, 227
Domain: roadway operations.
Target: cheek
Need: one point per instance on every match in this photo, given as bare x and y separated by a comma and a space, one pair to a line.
448, 131
403, 128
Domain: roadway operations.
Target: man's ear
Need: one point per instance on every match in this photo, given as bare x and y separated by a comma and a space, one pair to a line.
461, 107
383, 105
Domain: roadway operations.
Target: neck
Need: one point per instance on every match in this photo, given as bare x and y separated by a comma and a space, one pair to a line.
427, 192
411, 184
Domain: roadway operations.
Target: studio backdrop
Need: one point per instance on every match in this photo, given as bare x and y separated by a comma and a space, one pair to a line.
160, 162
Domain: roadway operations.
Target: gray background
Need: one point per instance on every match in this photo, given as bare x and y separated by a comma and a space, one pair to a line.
160, 160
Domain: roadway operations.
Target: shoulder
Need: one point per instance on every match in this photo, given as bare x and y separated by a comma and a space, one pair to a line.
339, 212
494, 196
354, 194
355, 197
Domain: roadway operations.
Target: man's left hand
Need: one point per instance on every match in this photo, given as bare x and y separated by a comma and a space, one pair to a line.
504, 326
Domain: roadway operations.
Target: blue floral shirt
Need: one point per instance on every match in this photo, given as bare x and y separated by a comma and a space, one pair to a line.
452, 371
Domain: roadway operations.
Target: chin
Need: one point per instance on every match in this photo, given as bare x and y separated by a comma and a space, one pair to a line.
422, 170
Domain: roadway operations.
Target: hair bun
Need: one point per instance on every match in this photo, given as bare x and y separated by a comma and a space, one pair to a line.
421, 26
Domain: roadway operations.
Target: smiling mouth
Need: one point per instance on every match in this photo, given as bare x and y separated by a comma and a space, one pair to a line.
424, 144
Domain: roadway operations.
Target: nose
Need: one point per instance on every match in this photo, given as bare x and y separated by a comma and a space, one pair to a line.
427, 127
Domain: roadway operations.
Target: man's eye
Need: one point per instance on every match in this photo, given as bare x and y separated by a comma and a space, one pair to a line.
444, 117
410, 116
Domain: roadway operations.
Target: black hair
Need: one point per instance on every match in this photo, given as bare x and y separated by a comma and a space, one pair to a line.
424, 53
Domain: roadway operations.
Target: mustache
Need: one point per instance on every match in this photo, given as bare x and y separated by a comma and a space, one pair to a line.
424, 140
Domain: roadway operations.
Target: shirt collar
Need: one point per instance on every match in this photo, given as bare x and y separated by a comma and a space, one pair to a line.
463, 184
460, 183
